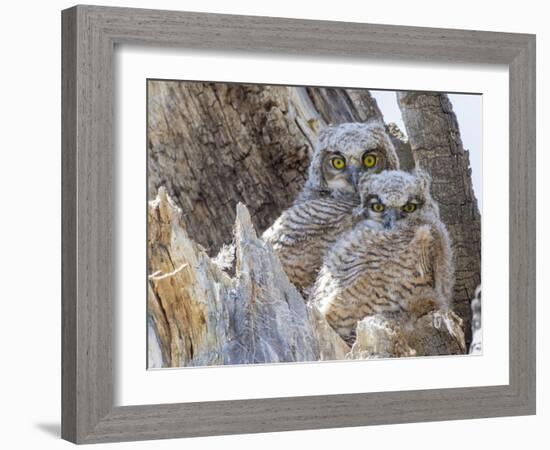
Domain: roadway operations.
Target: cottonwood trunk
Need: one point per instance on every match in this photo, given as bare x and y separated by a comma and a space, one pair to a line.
212, 145
435, 142
198, 315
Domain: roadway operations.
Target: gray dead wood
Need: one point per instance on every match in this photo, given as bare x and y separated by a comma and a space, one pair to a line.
435, 333
436, 145
198, 315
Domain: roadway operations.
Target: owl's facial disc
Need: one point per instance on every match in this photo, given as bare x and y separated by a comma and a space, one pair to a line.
341, 171
388, 212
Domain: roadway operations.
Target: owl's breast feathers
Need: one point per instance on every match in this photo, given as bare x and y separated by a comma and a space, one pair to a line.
376, 271
302, 234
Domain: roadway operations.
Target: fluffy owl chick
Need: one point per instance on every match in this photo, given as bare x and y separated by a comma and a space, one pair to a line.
344, 152
301, 235
396, 261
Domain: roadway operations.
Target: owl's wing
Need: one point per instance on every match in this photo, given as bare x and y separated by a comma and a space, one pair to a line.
423, 241
308, 221
442, 264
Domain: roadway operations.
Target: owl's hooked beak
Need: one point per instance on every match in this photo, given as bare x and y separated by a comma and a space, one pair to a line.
390, 216
354, 175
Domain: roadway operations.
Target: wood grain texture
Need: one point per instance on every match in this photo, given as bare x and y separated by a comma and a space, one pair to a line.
436, 144
199, 315
90, 207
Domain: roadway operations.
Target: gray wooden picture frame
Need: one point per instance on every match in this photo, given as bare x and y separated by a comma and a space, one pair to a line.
90, 34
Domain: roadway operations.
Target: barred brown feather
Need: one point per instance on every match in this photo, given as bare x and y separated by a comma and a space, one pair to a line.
404, 269
301, 235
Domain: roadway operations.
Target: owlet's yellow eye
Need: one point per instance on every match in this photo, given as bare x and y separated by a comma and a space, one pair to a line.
369, 160
338, 162
409, 207
377, 207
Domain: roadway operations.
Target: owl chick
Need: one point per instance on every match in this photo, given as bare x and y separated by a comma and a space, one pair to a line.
344, 152
324, 209
397, 261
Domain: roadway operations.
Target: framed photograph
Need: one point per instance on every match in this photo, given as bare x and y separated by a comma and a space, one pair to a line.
278, 224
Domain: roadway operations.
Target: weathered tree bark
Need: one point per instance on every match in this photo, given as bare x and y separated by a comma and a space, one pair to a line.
435, 333
402, 147
198, 315
435, 141
212, 145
